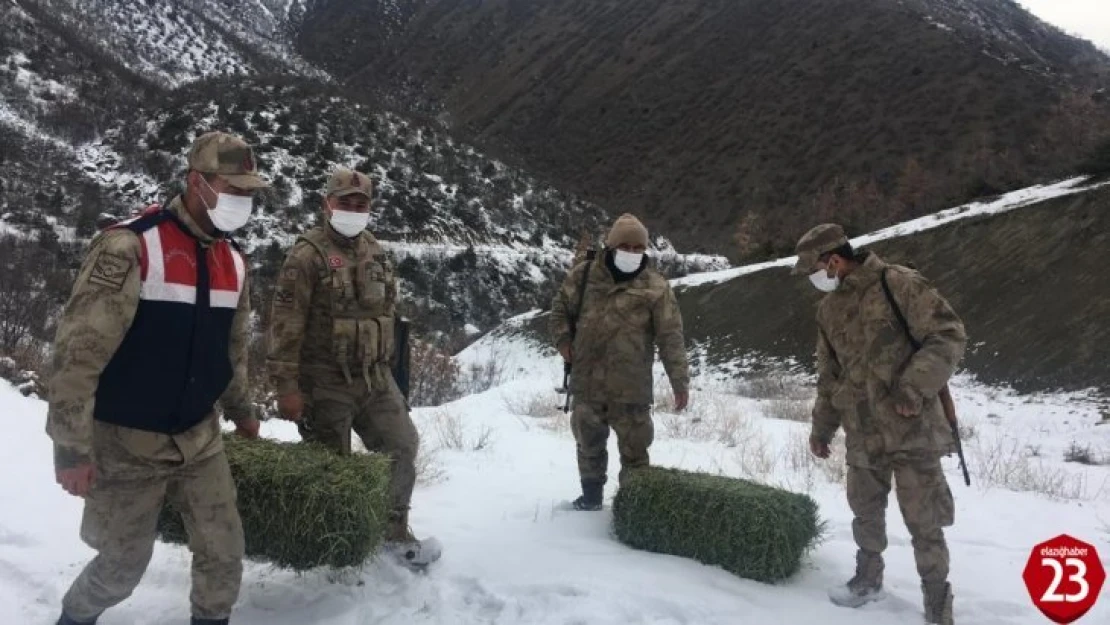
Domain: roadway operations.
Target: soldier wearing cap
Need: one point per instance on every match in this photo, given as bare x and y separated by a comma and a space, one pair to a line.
154, 334
884, 393
331, 344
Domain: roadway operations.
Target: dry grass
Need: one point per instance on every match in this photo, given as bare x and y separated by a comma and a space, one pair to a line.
1006, 463
775, 386
789, 410
487, 373
540, 410
797, 457
435, 377
451, 434
535, 405
1084, 454
428, 468
755, 457
707, 418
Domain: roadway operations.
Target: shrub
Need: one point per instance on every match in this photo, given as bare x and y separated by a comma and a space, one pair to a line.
749, 529
303, 506
435, 376
789, 410
1082, 454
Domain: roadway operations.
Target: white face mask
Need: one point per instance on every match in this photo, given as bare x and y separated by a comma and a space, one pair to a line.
627, 261
823, 282
231, 211
348, 223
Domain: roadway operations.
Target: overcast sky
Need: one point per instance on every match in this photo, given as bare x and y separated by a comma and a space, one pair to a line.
1089, 19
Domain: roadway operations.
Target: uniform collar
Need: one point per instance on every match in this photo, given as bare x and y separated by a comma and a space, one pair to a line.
177, 208
866, 274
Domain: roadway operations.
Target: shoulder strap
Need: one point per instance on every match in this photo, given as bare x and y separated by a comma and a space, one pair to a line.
590, 254
319, 247
146, 221
898, 311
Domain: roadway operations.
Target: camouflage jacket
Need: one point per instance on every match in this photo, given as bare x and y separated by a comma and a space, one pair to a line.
864, 357
617, 332
94, 323
333, 312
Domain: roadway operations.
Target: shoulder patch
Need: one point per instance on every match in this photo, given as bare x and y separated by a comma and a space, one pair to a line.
284, 296
110, 270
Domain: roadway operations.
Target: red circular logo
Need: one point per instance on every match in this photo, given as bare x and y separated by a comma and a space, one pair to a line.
1064, 577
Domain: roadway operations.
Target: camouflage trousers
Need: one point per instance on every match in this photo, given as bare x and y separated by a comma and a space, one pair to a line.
591, 422
136, 472
379, 416
926, 504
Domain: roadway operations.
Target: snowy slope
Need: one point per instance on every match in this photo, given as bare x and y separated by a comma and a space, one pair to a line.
1004, 31
175, 41
513, 558
1007, 202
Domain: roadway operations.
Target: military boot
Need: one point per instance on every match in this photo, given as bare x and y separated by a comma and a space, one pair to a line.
938, 602
409, 551
592, 494
66, 620
398, 530
865, 586
210, 621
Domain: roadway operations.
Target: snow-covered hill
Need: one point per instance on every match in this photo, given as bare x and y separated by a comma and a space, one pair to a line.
496, 466
1004, 31
175, 41
99, 101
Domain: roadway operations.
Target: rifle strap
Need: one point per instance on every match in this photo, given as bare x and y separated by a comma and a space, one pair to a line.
898, 311
581, 292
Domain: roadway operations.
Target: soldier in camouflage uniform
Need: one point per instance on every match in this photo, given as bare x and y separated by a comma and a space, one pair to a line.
154, 334
331, 343
627, 310
884, 394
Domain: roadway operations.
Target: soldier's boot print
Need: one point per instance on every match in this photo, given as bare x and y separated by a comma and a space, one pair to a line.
592, 495
865, 586
938, 602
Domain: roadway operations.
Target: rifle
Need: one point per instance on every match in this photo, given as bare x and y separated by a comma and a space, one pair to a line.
945, 394
402, 356
573, 321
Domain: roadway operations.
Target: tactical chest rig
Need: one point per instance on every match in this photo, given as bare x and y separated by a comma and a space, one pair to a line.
359, 280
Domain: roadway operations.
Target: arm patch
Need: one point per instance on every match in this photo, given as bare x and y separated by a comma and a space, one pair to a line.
110, 270
285, 296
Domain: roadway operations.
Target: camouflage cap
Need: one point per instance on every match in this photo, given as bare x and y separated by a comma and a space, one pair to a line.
227, 156
820, 239
348, 182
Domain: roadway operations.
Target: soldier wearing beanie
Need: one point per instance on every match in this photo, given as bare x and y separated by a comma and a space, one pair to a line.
626, 309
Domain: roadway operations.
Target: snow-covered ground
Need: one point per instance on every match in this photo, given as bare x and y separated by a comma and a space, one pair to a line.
497, 464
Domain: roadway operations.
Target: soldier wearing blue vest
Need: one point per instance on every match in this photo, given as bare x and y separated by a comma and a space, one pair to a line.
154, 335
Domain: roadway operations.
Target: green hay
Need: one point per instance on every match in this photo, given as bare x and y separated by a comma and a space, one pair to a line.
749, 529
302, 505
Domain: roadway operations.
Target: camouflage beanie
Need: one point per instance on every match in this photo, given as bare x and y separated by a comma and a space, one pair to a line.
627, 230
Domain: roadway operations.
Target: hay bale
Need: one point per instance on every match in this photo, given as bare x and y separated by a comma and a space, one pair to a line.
302, 505
749, 529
